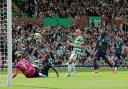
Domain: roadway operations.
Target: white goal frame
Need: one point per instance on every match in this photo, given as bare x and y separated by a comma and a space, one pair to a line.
9, 41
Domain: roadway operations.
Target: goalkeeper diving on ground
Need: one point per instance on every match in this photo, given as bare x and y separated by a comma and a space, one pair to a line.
31, 70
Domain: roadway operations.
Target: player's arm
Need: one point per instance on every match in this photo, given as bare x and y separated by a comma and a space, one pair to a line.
15, 73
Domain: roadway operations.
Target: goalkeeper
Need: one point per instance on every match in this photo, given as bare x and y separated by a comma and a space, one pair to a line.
27, 68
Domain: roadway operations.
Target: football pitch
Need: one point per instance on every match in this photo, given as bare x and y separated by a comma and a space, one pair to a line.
84, 79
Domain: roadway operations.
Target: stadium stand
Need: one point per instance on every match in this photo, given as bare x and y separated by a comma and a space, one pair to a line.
28, 19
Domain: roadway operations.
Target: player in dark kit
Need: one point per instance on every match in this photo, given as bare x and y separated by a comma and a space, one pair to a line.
102, 45
47, 64
118, 48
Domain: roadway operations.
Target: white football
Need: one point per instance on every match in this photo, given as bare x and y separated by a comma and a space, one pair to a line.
37, 35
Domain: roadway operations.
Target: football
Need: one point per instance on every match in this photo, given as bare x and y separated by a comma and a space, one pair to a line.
37, 35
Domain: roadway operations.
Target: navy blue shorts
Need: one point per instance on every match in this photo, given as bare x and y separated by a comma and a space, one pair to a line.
37, 70
118, 55
100, 54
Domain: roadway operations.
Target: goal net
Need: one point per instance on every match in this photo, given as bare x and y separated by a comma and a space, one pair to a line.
5, 43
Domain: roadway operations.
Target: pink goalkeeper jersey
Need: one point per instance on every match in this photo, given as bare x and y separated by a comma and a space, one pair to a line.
26, 68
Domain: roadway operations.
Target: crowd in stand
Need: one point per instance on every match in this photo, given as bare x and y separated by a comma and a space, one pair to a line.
74, 8
53, 40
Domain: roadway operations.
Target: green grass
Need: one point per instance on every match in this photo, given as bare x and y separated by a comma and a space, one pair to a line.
84, 79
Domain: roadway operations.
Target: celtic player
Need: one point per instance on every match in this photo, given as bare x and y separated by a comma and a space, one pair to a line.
77, 49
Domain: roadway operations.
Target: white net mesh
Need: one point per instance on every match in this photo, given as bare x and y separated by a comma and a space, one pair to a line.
3, 42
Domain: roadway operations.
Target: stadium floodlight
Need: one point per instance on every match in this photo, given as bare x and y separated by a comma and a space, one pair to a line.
5, 42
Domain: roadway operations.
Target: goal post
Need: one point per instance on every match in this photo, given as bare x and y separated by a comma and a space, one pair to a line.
9, 41
5, 42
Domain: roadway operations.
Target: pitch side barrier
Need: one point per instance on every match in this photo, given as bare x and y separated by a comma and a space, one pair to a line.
90, 66
79, 66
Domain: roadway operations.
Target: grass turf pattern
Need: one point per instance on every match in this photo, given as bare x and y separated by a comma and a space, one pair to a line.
84, 79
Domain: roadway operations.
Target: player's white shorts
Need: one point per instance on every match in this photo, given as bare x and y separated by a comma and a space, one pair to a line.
73, 56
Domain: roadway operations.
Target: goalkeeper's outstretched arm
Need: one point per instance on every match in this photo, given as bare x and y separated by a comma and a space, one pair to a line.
15, 73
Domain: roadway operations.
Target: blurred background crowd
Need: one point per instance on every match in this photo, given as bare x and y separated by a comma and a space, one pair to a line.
73, 8
53, 40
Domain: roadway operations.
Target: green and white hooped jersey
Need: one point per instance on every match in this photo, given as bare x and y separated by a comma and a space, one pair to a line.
78, 48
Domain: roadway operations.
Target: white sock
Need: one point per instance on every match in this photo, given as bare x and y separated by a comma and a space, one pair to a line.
69, 69
73, 69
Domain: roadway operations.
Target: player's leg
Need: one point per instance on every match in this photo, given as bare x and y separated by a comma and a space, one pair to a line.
69, 69
109, 63
117, 57
97, 57
38, 73
44, 71
112, 59
52, 67
73, 69
71, 66
95, 65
